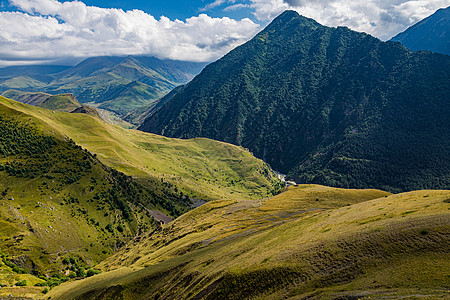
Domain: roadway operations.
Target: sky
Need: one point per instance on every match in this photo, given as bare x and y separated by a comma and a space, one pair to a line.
64, 32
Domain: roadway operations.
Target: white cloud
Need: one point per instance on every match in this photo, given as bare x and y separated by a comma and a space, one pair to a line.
381, 18
49, 28
52, 30
236, 7
213, 5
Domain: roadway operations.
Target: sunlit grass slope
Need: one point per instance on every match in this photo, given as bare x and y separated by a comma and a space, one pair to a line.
200, 168
311, 241
59, 202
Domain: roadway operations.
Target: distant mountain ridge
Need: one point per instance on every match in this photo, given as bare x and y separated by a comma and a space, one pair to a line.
12, 71
324, 105
118, 84
432, 33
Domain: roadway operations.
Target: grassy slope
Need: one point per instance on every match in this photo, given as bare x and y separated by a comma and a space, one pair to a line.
61, 102
201, 168
57, 200
52, 191
311, 241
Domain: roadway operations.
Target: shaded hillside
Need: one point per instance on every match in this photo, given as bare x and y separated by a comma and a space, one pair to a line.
84, 109
310, 242
58, 200
432, 33
324, 105
139, 115
31, 98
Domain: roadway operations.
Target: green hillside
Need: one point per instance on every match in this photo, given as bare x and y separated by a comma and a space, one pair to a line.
31, 70
22, 82
310, 242
60, 202
61, 102
324, 105
200, 168
60, 207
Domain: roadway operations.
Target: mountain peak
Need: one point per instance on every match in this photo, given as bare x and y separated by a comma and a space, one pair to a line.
301, 96
290, 20
289, 14
432, 33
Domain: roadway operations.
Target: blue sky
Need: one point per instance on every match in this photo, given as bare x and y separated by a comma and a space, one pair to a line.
174, 9
56, 31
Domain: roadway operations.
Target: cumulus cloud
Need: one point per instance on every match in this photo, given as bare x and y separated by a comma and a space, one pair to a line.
52, 30
381, 18
45, 29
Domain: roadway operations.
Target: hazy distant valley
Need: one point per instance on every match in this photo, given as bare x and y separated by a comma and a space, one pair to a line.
139, 178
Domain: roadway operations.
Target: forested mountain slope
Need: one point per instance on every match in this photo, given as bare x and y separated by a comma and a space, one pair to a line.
324, 105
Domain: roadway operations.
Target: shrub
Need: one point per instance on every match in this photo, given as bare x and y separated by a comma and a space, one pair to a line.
41, 284
81, 272
109, 228
21, 283
92, 272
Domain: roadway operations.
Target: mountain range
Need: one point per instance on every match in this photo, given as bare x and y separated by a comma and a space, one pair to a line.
323, 105
118, 84
432, 33
93, 210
